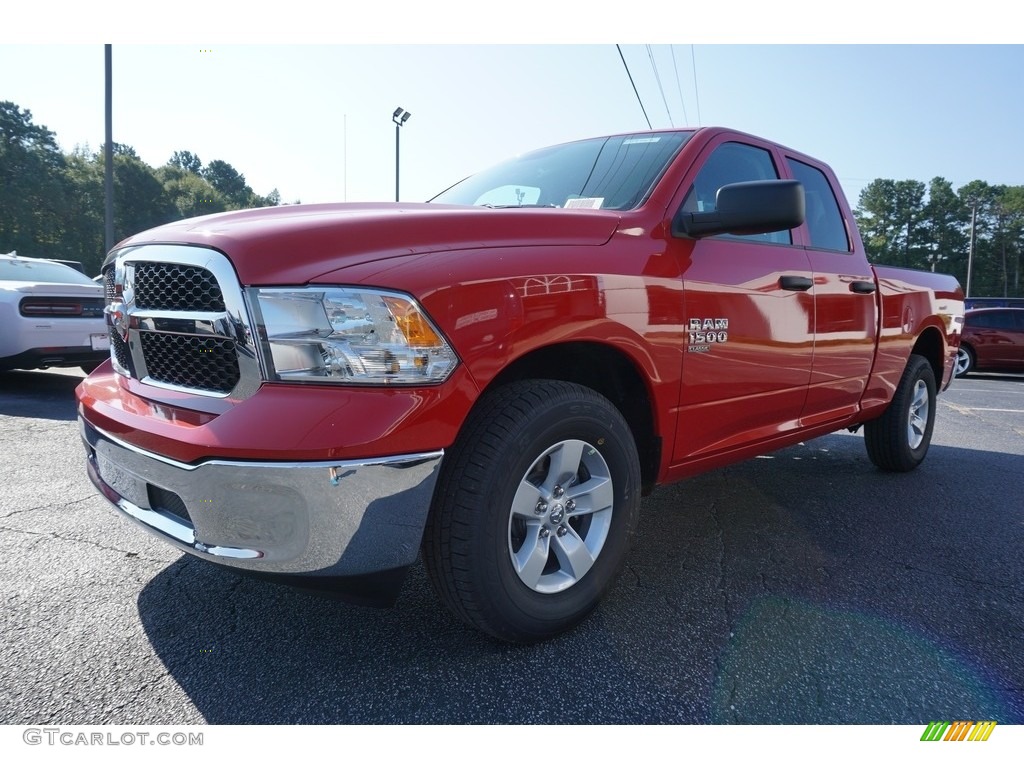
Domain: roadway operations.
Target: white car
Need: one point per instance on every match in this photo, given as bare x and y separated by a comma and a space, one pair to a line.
50, 315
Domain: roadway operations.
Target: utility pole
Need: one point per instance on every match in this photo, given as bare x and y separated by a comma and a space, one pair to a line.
970, 248
108, 159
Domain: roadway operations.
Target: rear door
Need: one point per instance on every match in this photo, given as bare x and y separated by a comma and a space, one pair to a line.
845, 300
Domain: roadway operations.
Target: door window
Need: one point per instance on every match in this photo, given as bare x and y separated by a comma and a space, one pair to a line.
730, 163
824, 220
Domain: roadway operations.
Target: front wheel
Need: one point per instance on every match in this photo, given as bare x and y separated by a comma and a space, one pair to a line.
534, 510
898, 440
964, 361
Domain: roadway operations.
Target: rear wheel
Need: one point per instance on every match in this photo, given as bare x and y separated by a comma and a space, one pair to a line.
898, 440
534, 511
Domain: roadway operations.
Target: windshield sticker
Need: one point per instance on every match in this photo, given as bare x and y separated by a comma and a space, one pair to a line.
643, 140
584, 202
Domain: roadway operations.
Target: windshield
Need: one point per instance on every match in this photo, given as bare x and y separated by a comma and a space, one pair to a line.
33, 271
613, 173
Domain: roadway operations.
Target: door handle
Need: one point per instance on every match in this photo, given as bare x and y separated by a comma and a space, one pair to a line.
795, 283
862, 286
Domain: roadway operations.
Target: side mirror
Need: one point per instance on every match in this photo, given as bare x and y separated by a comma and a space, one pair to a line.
746, 208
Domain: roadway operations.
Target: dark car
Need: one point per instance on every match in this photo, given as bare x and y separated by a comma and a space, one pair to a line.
992, 340
980, 302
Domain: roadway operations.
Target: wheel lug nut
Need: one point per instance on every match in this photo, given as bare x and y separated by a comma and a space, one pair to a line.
558, 491
562, 530
544, 533
570, 505
541, 508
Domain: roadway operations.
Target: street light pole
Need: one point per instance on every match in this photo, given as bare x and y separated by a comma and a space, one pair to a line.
398, 118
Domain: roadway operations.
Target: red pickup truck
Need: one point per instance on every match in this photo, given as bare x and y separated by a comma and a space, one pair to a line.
318, 393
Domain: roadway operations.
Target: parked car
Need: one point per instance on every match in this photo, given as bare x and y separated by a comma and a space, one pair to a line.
980, 302
76, 265
50, 315
992, 340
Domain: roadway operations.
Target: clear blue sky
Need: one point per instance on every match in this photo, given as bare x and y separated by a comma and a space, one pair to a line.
314, 120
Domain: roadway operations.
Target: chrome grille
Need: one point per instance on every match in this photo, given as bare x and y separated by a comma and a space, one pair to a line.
178, 320
108, 283
176, 287
193, 362
119, 350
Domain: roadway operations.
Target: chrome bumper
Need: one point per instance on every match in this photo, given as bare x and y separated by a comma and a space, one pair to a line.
291, 519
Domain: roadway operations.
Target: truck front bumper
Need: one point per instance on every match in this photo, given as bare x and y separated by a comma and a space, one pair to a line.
350, 526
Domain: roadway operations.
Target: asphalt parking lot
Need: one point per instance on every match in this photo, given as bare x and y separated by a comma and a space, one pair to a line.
800, 587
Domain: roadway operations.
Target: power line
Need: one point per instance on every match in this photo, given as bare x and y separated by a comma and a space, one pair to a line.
696, 93
679, 84
657, 79
619, 49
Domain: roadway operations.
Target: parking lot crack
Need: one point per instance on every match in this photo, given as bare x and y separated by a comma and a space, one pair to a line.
720, 565
57, 505
62, 537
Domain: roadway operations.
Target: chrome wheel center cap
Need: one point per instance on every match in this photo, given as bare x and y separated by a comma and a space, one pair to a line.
557, 514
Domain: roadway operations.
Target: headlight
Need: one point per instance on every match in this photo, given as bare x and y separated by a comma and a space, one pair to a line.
349, 336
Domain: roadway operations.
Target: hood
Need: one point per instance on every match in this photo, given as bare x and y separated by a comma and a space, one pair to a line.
291, 245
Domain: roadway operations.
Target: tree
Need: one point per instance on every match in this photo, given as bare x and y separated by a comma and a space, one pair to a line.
186, 161
890, 216
51, 204
190, 194
1008, 211
944, 228
229, 182
32, 194
83, 234
121, 150
979, 198
140, 200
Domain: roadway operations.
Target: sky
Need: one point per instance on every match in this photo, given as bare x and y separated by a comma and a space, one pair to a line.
313, 119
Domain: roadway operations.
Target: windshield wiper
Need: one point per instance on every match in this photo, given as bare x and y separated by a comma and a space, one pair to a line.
527, 205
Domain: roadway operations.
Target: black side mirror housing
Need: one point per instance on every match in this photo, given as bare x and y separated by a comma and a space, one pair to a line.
746, 208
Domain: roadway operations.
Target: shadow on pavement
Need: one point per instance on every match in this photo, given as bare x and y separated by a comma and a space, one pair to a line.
39, 394
801, 587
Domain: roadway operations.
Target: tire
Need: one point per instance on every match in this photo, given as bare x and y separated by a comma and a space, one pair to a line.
898, 440
534, 510
965, 361
89, 367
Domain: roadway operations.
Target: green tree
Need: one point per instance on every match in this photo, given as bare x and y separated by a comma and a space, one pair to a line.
979, 198
186, 161
83, 227
890, 216
229, 182
52, 205
1008, 212
191, 194
140, 200
944, 229
32, 194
